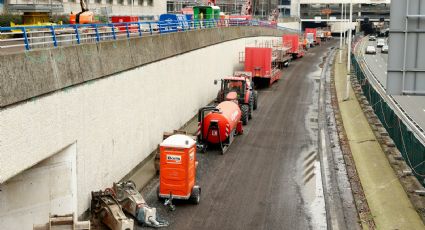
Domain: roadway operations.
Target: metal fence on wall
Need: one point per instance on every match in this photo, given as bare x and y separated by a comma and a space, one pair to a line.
31, 37
410, 147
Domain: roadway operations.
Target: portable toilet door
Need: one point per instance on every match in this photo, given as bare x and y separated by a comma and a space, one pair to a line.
216, 12
177, 167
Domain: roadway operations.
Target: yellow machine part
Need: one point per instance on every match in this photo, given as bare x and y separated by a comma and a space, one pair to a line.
35, 18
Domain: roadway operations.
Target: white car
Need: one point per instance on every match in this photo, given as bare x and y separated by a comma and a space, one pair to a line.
370, 50
380, 42
384, 49
372, 38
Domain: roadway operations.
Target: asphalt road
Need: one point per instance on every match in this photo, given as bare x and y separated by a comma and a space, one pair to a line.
259, 183
413, 105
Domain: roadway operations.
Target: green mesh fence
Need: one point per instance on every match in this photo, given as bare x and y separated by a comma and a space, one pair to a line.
412, 150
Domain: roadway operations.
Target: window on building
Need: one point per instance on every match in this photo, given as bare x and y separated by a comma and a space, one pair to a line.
141, 2
98, 1
121, 2
129, 2
110, 2
150, 2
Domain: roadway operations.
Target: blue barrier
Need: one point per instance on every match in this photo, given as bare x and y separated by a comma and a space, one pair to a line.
31, 37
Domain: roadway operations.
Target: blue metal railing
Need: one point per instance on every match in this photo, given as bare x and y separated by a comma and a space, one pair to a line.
30, 37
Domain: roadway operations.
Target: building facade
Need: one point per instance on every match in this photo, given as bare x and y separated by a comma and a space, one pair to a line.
309, 9
147, 8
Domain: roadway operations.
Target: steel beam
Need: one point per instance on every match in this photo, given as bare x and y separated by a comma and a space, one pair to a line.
406, 58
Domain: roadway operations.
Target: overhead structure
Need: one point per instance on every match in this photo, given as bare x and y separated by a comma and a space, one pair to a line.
406, 60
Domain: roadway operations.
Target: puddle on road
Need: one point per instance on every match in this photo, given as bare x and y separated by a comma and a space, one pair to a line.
310, 180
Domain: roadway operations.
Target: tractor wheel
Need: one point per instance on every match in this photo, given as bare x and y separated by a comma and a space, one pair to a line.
255, 100
195, 196
251, 106
245, 114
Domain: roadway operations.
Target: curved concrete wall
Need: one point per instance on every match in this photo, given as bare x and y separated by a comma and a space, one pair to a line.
117, 121
30, 74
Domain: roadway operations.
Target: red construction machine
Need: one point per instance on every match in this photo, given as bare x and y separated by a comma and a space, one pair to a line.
263, 64
247, 97
296, 47
218, 125
84, 17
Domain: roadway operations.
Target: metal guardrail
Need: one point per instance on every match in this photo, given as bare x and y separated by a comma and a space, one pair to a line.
408, 136
31, 37
409, 121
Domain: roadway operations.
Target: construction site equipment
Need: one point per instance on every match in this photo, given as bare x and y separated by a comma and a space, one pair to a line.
201, 13
178, 170
126, 19
218, 125
172, 23
133, 203
247, 97
296, 47
283, 56
35, 14
262, 64
83, 17
312, 36
107, 209
63, 222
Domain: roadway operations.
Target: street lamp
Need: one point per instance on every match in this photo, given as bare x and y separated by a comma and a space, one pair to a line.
340, 32
347, 92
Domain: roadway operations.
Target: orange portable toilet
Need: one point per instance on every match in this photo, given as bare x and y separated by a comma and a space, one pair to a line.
177, 170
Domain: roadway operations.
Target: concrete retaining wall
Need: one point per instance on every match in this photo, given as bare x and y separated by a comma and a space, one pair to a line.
114, 122
27, 75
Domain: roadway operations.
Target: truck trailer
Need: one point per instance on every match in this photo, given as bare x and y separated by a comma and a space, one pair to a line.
262, 64
293, 42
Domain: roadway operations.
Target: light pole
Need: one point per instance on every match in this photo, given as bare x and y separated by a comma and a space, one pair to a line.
340, 33
345, 23
347, 93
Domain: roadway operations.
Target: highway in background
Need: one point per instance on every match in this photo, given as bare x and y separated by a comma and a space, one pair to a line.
413, 105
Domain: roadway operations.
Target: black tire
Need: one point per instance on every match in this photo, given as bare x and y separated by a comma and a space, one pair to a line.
195, 196
245, 114
251, 106
255, 100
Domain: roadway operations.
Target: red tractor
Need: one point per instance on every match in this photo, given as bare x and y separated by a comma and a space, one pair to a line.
247, 97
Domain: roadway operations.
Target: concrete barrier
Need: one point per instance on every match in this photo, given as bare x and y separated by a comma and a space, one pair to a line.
30, 74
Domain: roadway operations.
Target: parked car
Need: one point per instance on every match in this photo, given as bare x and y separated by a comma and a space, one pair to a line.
380, 43
370, 50
384, 49
372, 38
